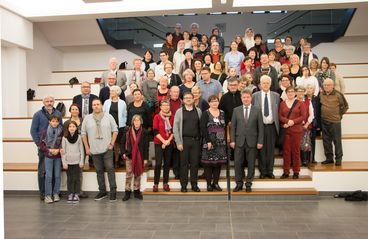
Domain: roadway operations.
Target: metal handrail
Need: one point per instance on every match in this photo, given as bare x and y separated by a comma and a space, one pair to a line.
141, 29
150, 25
285, 24
283, 18
305, 24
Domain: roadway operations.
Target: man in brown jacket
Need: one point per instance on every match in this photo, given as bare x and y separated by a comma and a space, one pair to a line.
333, 107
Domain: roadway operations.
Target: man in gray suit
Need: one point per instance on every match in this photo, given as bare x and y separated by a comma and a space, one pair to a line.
121, 79
246, 136
269, 102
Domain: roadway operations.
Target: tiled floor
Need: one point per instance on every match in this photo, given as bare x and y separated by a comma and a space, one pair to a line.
27, 217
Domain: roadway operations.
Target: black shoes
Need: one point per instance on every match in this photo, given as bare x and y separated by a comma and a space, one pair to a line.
138, 194
112, 196
238, 188
100, 196
248, 189
338, 163
262, 176
209, 188
271, 176
195, 188
216, 187
328, 162
127, 196
284, 175
296, 176
184, 189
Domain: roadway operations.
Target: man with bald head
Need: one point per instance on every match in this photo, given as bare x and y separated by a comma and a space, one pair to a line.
120, 76
333, 107
175, 104
84, 100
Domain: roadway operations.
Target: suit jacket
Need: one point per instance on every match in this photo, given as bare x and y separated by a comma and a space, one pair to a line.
79, 101
105, 94
275, 103
121, 79
175, 80
250, 134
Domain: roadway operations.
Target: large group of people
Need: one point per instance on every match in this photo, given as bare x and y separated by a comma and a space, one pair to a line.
191, 103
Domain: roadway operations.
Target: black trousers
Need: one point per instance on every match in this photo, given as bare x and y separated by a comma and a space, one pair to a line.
73, 179
162, 156
212, 173
267, 153
175, 161
242, 154
189, 158
331, 133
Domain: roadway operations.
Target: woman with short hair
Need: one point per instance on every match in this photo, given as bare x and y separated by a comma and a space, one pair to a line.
118, 110
163, 140
213, 131
198, 101
188, 82
292, 113
324, 72
140, 107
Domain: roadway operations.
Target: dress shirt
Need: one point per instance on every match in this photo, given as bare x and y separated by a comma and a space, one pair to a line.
269, 118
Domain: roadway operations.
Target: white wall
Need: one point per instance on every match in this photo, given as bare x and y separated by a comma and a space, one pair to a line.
13, 84
15, 29
72, 33
95, 58
355, 27
42, 60
346, 49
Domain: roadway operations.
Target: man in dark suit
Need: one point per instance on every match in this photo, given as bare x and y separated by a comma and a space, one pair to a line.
174, 79
246, 136
84, 100
105, 91
268, 101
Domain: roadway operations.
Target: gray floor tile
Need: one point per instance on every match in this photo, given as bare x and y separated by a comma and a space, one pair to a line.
176, 235
322, 235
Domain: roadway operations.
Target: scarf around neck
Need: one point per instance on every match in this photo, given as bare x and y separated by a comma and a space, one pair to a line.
98, 118
135, 138
52, 136
166, 118
72, 138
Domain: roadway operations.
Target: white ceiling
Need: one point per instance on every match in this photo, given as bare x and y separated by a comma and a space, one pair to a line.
56, 10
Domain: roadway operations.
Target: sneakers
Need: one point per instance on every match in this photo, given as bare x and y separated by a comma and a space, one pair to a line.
76, 198
48, 200
112, 196
100, 196
56, 198
70, 198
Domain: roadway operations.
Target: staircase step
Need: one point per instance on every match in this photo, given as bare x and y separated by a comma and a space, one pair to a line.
232, 178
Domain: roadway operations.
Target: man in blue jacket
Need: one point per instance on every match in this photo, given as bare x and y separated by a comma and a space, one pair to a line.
40, 121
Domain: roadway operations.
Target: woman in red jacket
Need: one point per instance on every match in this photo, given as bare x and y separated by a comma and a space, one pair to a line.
292, 113
163, 140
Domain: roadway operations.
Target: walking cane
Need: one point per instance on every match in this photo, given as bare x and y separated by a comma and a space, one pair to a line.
228, 161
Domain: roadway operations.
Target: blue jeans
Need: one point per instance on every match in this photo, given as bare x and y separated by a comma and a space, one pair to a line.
53, 170
41, 172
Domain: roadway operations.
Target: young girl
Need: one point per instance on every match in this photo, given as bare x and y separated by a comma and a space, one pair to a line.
50, 145
72, 158
134, 148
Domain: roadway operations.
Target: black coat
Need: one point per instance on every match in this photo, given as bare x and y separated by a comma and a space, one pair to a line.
174, 80
78, 100
105, 94
143, 145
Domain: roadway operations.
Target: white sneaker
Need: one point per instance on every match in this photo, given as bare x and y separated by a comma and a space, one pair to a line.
56, 198
48, 200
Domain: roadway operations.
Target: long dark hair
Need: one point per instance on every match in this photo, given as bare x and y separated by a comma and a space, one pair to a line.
66, 131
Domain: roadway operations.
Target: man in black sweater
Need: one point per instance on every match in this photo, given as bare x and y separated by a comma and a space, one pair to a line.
231, 99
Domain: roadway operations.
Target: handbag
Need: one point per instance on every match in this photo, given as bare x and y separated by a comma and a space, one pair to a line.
305, 145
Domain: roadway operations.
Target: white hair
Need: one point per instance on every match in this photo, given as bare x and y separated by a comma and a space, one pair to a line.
48, 97
113, 59
116, 89
264, 78
194, 24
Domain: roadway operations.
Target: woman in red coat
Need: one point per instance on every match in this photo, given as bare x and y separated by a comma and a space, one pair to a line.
292, 113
